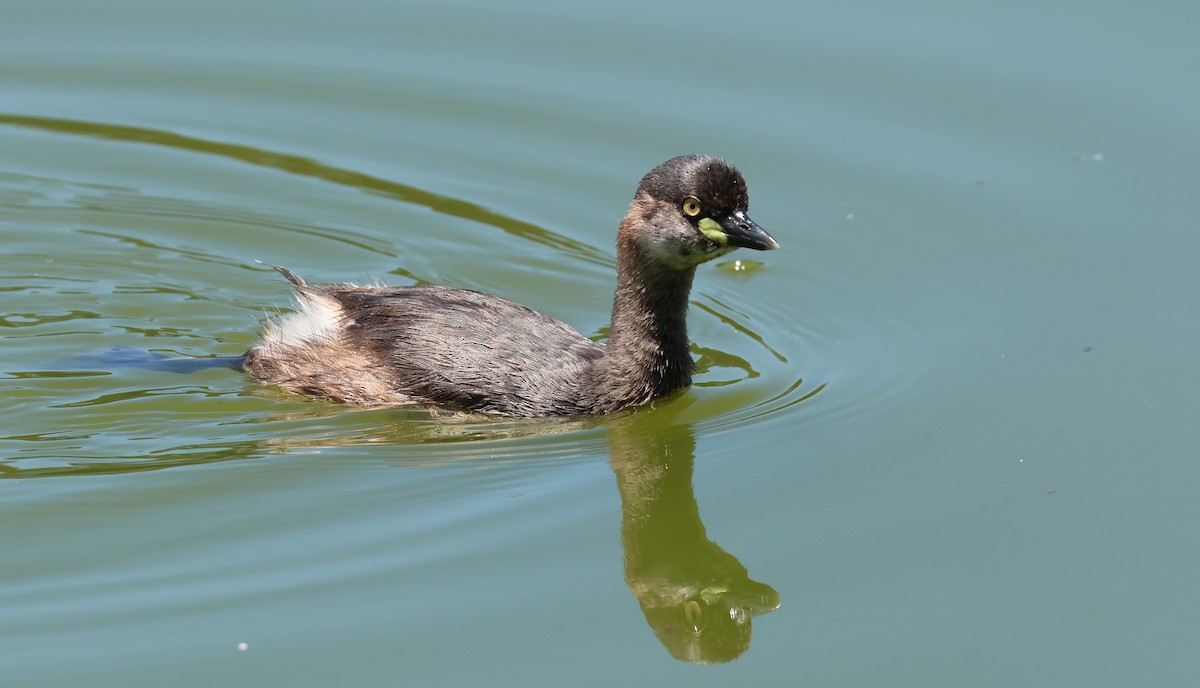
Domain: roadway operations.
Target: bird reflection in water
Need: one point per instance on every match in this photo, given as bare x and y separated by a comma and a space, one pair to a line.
697, 597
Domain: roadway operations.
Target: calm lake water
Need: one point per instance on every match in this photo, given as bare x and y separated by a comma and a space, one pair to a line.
946, 436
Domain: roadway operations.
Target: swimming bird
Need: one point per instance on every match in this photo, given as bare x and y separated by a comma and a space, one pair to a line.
439, 345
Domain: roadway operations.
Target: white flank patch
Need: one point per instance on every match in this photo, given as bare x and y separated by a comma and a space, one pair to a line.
319, 319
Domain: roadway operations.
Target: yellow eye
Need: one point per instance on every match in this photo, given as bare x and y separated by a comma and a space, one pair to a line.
691, 206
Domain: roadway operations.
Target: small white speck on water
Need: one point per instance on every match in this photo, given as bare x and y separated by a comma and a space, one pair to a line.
849, 216
242, 647
737, 266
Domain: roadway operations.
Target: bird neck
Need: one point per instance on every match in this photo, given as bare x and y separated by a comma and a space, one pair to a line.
647, 353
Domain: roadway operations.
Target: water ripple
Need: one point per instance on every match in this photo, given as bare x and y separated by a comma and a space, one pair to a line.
172, 272
303, 166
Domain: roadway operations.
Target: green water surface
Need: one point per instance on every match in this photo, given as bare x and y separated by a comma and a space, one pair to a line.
945, 436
